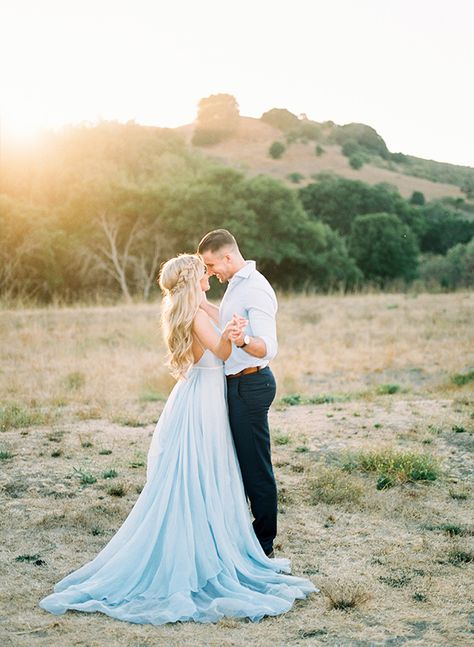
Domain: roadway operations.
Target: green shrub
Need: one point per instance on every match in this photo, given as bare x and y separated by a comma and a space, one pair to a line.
110, 474
417, 198
356, 161
384, 482
458, 557
388, 389
343, 596
350, 147
420, 597
400, 158
282, 439
28, 559
393, 467
451, 529
118, 490
319, 150
460, 494
86, 478
276, 150
295, 177
460, 379
292, 399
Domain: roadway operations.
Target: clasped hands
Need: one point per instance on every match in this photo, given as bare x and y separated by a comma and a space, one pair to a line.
234, 330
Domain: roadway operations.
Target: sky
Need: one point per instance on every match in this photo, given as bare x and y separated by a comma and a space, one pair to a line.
404, 67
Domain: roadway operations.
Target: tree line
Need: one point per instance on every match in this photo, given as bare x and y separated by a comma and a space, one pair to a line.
96, 209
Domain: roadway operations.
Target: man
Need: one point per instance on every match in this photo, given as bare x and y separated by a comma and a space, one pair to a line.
250, 383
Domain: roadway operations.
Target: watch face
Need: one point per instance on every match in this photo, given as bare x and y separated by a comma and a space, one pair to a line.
246, 339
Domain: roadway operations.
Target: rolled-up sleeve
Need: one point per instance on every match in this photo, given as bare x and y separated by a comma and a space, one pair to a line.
262, 308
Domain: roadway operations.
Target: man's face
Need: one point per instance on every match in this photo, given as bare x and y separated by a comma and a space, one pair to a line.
218, 264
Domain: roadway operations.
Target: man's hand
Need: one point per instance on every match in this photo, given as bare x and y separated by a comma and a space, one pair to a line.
234, 328
237, 334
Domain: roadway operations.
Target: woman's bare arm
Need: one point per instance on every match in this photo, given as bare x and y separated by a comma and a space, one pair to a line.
210, 309
220, 345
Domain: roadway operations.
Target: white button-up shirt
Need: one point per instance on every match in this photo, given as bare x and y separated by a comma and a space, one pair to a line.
250, 295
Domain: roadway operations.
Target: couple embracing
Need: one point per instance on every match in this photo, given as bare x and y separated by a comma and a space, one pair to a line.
188, 550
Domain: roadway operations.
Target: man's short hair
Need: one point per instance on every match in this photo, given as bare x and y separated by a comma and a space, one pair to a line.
216, 240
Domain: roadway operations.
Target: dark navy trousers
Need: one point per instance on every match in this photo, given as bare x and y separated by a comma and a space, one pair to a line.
249, 398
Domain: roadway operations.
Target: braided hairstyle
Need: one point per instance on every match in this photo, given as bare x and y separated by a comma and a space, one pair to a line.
179, 280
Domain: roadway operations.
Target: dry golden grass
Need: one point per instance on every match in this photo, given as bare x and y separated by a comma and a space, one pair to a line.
249, 150
393, 565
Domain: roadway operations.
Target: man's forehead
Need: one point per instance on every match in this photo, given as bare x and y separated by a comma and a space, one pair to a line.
211, 257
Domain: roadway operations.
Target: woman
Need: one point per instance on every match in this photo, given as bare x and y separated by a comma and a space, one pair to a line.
187, 550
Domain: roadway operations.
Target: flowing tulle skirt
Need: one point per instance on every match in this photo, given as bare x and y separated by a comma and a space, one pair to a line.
187, 550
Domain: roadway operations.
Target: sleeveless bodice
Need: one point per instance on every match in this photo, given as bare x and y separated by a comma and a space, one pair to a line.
208, 360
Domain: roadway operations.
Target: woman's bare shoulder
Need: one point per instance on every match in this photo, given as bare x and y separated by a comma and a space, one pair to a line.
201, 320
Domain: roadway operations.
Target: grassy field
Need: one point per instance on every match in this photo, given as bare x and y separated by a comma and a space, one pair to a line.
373, 444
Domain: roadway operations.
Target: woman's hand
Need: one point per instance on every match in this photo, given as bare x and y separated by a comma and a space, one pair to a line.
234, 327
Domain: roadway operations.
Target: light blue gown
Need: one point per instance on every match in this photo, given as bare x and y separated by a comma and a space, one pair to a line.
187, 550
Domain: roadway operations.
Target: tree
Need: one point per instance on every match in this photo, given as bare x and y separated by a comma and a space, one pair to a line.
350, 147
417, 198
276, 150
337, 201
281, 118
31, 250
461, 262
383, 247
217, 119
365, 136
454, 270
443, 228
293, 252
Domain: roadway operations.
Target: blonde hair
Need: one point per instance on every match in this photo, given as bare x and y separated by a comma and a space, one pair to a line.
179, 279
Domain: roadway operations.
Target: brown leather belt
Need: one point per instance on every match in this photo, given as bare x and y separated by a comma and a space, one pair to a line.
247, 371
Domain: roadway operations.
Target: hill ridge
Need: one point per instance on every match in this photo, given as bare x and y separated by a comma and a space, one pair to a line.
247, 150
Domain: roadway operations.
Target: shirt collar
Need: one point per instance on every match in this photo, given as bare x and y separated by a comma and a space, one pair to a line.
245, 271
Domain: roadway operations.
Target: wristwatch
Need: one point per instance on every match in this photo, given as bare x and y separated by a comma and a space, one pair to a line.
246, 341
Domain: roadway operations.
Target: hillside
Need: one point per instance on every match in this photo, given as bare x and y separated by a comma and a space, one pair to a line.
248, 150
